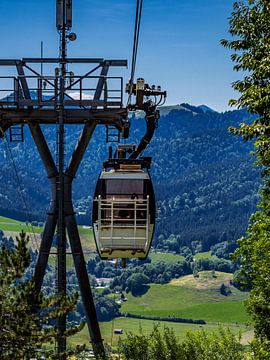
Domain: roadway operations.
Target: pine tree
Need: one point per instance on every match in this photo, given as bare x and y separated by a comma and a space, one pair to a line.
250, 29
27, 319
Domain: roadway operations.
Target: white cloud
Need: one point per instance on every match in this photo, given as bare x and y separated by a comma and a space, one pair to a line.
76, 95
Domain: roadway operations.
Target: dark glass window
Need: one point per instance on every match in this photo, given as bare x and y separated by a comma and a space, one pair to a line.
124, 187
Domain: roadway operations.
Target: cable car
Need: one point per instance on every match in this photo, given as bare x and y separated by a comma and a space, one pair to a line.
124, 209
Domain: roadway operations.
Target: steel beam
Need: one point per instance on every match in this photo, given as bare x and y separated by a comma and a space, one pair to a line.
14, 62
9, 62
4, 126
81, 271
74, 103
74, 237
23, 81
75, 242
72, 116
80, 149
100, 85
68, 60
49, 230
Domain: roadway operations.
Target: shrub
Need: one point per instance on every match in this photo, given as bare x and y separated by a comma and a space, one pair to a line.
221, 345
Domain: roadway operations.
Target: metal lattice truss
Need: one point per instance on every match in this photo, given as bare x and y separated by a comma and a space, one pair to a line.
33, 97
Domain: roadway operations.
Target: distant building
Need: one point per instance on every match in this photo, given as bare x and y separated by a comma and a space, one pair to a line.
118, 331
104, 282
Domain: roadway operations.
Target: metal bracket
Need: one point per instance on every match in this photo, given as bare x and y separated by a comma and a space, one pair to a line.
16, 133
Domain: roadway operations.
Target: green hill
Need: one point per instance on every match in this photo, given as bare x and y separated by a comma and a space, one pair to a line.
7, 224
195, 298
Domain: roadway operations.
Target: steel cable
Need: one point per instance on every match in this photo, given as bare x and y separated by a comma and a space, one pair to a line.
139, 7
20, 191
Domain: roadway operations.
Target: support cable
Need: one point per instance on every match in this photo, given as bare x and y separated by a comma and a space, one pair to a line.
20, 192
135, 44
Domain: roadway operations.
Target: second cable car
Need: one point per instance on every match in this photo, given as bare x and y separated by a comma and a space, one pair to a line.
124, 209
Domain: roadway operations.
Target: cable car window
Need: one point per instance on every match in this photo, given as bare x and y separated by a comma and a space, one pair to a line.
124, 187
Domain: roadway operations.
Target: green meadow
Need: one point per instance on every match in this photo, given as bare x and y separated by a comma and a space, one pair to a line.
15, 226
166, 257
146, 326
195, 298
205, 255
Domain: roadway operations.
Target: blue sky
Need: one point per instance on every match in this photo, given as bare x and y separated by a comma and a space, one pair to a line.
179, 44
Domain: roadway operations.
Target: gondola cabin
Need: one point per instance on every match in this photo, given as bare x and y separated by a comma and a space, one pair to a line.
124, 210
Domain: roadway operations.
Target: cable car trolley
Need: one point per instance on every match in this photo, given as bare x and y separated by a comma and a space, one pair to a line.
124, 209
124, 200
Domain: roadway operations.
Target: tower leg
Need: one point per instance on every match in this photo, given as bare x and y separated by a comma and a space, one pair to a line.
51, 222
81, 271
44, 251
71, 225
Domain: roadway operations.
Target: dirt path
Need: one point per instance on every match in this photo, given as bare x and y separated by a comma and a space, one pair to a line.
247, 337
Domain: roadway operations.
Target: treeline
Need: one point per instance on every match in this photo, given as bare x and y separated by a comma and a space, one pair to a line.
206, 187
165, 318
135, 279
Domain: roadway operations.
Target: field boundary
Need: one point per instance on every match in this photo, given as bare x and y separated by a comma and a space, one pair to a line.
161, 318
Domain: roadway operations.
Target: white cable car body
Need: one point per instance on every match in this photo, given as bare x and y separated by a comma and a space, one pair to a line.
124, 213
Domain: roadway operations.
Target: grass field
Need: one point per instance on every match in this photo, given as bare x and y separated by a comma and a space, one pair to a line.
166, 257
134, 326
171, 258
191, 298
205, 255
88, 245
15, 226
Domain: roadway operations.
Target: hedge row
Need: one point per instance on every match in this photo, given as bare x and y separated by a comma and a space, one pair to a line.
161, 318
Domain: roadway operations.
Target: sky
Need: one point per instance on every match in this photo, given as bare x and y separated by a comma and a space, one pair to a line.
179, 44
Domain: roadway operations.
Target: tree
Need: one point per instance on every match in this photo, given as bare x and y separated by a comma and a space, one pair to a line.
225, 290
196, 272
250, 28
222, 345
136, 283
27, 319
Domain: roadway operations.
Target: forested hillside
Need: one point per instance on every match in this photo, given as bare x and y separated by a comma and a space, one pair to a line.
205, 182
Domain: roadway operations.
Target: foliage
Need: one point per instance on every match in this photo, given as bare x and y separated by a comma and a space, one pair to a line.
259, 350
107, 308
165, 318
224, 249
254, 255
225, 290
135, 278
250, 29
215, 264
222, 345
27, 319
7, 242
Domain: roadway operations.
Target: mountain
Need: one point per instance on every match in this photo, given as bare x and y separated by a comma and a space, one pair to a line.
205, 108
205, 182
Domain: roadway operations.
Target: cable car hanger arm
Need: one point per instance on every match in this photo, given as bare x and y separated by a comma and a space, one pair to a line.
151, 119
152, 115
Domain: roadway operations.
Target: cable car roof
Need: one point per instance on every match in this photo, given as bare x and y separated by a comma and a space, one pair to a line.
132, 175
